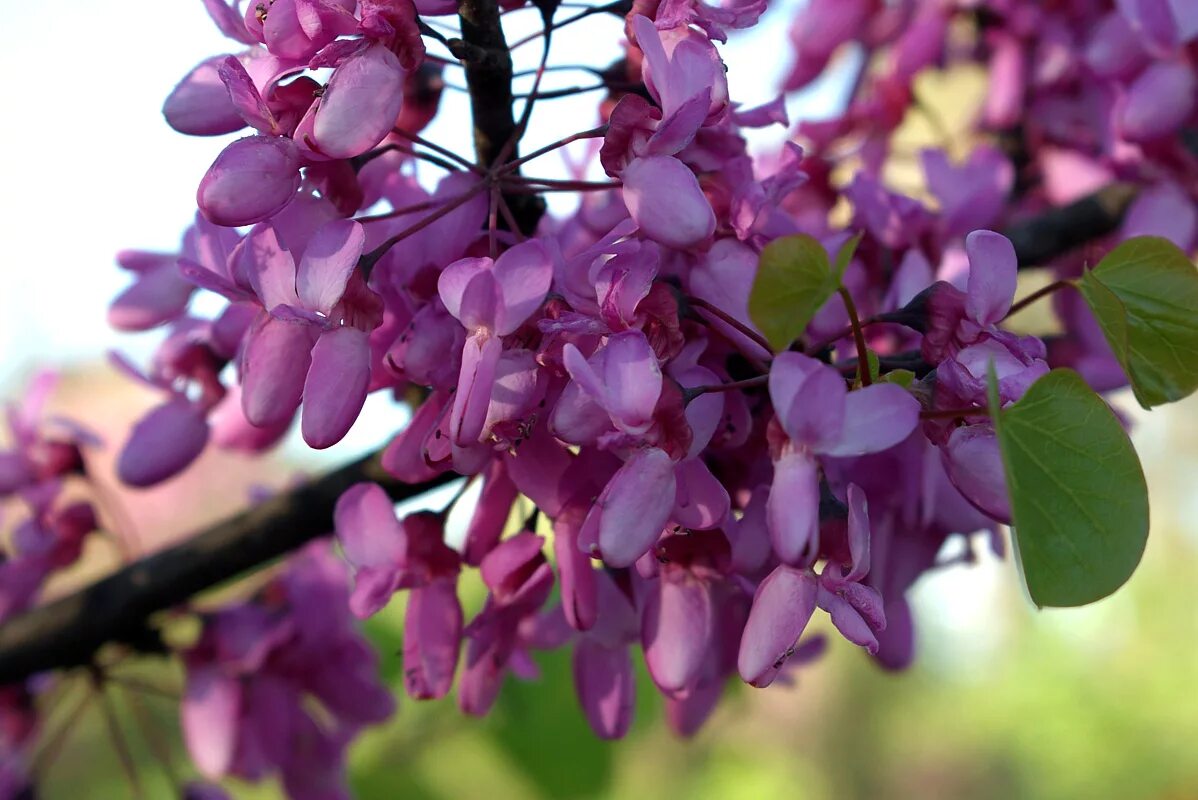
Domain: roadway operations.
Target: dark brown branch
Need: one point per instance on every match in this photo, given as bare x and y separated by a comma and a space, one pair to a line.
68, 632
488, 68
1042, 238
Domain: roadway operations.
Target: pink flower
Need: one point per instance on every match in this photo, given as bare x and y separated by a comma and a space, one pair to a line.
491, 299
821, 417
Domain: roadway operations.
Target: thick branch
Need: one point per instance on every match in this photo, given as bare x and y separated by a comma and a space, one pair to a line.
488, 66
1042, 238
67, 632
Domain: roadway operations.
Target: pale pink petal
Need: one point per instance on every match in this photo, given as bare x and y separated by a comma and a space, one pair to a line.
792, 510
523, 275
453, 280
664, 198
700, 501
480, 356
366, 526
210, 712
974, 465
676, 631
992, 275
634, 506
818, 415
360, 103
876, 418
328, 261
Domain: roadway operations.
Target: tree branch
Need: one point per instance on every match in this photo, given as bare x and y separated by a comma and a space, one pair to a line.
67, 632
488, 68
1042, 238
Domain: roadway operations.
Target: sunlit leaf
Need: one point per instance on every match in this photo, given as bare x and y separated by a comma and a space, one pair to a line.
794, 278
1145, 297
1079, 501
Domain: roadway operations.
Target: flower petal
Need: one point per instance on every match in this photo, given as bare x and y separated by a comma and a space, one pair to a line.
336, 386
328, 261
782, 606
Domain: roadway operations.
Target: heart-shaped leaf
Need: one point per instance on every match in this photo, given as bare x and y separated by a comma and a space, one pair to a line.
1079, 502
794, 279
1145, 297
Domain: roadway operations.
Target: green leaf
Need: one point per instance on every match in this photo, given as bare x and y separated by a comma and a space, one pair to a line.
1079, 502
903, 377
844, 255
793, 280
1145, 297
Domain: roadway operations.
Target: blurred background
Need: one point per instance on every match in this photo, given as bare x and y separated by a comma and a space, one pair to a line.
1003, 701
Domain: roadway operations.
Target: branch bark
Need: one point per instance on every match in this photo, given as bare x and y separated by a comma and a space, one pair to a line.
1042, 238
68, 632
488, 66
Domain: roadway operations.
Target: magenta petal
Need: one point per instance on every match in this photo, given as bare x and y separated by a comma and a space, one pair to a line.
974, 465
432, 639
750, 536
992, 276
896, 644
274, 365
251, 180
851, 621
210, 712
817, 415
700, 500
200, 106
782, 606
480, 356
792, 510
328, 261
404, 456
373, 543
624, 378
606, 690
245, 97
634, 507
157, 296
580, 601
538, 467
876, 418
664, 198
360, 103
1159, 101
676, 630
336, 385
491, 514
523, 275
163, 443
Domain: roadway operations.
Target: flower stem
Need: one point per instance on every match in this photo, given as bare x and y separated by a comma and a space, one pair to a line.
725, 317
858, 337
1036, 295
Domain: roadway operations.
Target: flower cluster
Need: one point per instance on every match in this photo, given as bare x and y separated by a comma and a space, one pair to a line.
700, 491
46, 452
260, 666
